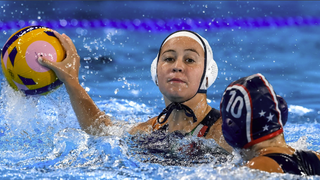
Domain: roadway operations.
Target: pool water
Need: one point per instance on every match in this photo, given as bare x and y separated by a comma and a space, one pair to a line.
40, 136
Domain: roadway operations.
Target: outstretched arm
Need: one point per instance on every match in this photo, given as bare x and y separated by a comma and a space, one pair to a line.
88, 114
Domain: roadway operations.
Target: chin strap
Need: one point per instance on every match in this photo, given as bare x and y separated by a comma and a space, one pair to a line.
179, 106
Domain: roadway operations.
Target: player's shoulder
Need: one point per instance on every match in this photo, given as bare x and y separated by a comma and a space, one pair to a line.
264, 163
144, 127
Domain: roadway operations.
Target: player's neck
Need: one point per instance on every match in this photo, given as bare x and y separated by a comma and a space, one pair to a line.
178, 119
274, 145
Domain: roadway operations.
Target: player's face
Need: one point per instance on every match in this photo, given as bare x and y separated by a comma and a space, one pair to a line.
180, 68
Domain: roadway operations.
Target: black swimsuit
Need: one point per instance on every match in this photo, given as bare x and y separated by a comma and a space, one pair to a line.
166, 148
300, 163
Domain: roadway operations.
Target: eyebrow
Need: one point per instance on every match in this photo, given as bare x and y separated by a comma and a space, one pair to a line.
171, 50
193, 50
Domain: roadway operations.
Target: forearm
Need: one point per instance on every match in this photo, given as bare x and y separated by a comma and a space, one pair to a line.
88, 114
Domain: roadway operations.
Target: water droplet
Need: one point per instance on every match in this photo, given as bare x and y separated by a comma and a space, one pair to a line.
87, 89
87, 58
116, 91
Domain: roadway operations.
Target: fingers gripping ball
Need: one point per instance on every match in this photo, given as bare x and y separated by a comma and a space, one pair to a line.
19, 60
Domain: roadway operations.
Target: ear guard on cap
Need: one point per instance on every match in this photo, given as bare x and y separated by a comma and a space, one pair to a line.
283, 107
211, 74
154, 70
234, 139
211, 70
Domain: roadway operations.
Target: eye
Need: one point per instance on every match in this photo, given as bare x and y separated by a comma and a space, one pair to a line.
190, 60
169, 59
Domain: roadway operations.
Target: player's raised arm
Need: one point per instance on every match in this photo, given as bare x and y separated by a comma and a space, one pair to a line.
88, 114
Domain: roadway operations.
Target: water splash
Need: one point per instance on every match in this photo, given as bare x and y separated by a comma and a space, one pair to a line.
299, 110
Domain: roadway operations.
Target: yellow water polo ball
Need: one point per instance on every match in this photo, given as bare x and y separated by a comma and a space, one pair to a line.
19, 60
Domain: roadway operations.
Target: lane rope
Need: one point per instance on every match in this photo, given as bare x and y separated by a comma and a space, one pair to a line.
169, 24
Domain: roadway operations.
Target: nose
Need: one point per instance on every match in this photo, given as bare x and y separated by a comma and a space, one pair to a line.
177, 70
178, 66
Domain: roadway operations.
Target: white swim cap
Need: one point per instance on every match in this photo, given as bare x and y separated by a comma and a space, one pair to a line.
210, 69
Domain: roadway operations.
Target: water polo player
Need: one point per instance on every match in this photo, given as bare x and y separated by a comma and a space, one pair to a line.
253, 118
183, 69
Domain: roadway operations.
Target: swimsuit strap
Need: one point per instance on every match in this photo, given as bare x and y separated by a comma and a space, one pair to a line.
201, 130
203, 127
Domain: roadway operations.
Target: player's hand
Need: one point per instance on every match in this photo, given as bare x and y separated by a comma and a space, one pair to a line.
68, 69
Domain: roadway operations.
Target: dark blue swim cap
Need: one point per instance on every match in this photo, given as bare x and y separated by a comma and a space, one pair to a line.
251, 112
